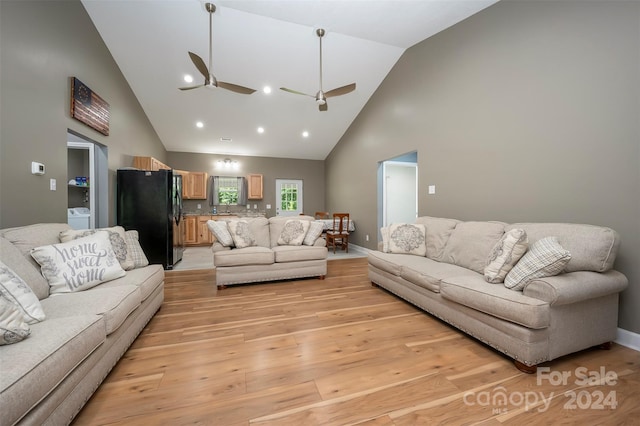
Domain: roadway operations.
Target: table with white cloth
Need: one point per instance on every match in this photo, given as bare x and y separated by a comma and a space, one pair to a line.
328, 224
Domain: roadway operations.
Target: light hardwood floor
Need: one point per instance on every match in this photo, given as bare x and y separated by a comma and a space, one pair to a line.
339, 352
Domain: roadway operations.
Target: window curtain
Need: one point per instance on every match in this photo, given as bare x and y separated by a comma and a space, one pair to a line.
212, 194
243, 189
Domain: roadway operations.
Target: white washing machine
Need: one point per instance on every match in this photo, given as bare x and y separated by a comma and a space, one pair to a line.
78, 217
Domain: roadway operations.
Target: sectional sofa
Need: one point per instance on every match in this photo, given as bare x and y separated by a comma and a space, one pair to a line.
485, 278
46, 378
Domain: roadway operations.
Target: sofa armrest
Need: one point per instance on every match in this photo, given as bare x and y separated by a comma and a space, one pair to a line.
576, 286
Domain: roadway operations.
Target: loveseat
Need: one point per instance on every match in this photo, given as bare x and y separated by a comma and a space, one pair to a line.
260, 249
79, 336
553, 289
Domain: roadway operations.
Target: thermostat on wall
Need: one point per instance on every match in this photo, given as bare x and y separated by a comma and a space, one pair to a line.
37, 168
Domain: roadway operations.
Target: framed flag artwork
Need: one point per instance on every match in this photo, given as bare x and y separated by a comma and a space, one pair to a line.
89, 108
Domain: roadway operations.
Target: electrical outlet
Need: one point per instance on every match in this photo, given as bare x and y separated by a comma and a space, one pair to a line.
199, 206
52, 184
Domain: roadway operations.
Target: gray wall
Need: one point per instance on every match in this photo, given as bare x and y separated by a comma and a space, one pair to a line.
527, 111
310, 171
43, 44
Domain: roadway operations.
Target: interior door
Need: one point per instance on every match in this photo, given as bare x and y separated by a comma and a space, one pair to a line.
288, 197
400, 192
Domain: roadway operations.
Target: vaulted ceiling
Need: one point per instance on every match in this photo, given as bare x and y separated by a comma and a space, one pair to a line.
258, 44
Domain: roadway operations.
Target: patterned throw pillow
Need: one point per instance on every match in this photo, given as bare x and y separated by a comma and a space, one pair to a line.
545, 258
78, 264
241, 234
13, 328
14, 290
315, 230
293, 232
385, 239
505, 254
408, 238
135, 250
116, 236
220, 230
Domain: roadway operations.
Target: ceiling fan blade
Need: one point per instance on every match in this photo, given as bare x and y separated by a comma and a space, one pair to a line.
199, 63
191, 87
235, 88
341, 90
323, 107
295, 92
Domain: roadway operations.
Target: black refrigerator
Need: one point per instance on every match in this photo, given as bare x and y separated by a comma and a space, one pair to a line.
151, 203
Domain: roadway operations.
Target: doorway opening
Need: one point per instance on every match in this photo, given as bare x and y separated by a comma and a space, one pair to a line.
398, 190
87, 188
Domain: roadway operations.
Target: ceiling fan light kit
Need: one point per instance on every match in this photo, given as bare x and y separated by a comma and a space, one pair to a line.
210, 81
321, 96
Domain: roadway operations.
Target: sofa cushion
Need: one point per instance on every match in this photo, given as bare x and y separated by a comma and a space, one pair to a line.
15, 291
30, 370
505, 254
438, 232
78, 264
474, 292
116, 237
241, 234
406, 238
546, 258
114, 304
25, 238
28, 270
293, 232
259, 227
428, 273
298, 253
592, 248
470, 244
254, 255
276, 224
147, 279
315, 230
388, 262
13, 327
132, 239
220, 230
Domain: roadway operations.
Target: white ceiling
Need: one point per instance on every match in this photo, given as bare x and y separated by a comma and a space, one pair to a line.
259, 43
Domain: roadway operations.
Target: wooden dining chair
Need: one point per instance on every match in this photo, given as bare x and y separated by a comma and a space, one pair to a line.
338, 235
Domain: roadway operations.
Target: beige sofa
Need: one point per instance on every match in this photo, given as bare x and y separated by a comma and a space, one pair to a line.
549, 318
267, 260
46, 378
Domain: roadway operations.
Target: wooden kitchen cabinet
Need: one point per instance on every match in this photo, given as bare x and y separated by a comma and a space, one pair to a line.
194, 185
149, 163
255, 186
191, 230
204, 235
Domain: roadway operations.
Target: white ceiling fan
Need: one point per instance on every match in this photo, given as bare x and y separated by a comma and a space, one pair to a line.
210, 80
321, 96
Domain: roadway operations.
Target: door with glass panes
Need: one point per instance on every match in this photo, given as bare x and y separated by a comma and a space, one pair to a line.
288, 197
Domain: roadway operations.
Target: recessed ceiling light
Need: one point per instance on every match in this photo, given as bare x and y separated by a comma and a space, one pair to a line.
260, 129
305, 134
266, 89
199, 124
225, 139
188, 78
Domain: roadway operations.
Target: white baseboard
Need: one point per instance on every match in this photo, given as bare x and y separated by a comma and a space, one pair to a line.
628, 339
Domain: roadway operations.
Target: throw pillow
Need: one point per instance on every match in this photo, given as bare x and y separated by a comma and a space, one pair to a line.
408, 238
12, 326
116, 236
545, 258
241, 234
293, 232
14, 290
505, 254
78, 264
135, 249
384, 232
314, 232
220, 230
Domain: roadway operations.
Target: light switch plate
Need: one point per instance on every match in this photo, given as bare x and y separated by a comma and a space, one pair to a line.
432, 189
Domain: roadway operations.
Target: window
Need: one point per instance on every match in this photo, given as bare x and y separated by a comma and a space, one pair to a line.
228, 190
